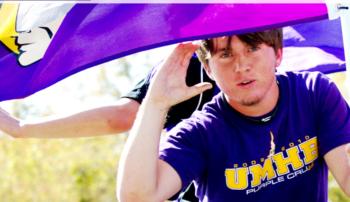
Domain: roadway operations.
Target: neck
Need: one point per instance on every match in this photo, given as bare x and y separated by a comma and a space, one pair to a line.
266, 104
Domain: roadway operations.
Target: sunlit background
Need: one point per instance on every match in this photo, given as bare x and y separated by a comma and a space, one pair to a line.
80, 169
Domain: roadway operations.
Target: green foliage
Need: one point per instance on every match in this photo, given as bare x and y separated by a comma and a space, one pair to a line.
70, 170
335, 194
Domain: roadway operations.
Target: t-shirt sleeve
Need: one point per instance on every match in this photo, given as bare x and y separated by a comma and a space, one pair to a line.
183, 149
332, 115
140, 89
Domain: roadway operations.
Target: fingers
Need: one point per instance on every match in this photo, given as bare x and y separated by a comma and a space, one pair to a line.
199, 88
188, 50
169, 83
183, 49
174, 68
181, 55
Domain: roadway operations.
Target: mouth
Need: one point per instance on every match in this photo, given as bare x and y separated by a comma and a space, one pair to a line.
246, 83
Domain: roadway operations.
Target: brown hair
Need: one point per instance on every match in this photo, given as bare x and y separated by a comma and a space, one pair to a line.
272, 38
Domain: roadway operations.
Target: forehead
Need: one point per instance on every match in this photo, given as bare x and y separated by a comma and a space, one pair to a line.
225, 42
219, 41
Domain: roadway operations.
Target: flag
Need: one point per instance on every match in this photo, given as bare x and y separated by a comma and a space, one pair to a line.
314, 46
91, 34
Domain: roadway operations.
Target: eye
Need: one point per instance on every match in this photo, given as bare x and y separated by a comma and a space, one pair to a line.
253, 48
225, 54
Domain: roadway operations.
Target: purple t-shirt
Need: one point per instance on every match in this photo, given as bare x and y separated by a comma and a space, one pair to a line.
233, 158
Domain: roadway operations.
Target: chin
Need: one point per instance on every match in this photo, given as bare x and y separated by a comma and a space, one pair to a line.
251, 101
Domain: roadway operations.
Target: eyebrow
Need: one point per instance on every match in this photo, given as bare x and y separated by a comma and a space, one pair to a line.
221, 50
216, 48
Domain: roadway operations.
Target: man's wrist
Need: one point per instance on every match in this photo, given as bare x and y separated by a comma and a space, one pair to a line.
157, 104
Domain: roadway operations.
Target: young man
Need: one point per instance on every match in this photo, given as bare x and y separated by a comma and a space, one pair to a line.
266, 137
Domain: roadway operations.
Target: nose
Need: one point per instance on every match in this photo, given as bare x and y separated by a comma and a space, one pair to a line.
242, 65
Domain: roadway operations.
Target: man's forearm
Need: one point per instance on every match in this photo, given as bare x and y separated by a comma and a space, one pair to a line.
99, 121
9, 124
137, 177
338, 162
142, 175
88, 123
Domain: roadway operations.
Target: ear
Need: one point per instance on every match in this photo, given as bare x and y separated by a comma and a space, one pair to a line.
279, 57
208, 70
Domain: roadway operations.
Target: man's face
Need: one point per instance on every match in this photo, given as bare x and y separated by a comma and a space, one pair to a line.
245, 74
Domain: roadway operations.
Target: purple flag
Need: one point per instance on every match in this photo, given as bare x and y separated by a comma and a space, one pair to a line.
314, 46
91, 34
